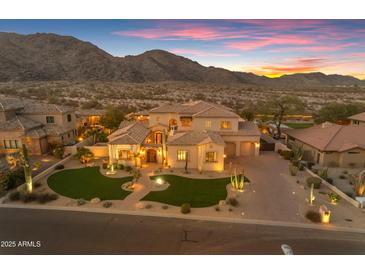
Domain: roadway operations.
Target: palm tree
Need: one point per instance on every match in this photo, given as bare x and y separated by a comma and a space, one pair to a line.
24, 162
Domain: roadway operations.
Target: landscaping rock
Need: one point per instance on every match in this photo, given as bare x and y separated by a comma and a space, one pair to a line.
95, 200
140, 205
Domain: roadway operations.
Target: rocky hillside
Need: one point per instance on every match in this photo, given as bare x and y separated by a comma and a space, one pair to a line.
51, 57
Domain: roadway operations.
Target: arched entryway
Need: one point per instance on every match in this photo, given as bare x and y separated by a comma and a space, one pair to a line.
151, 156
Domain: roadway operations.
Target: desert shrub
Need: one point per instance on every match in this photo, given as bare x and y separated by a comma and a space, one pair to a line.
301, 166
43, 198
315, 181
350, 194
14, 196
81, 202
37, 185
352, 165
120, 166
28, 197
334, 197
313, 216
12, 179
330, 180
293, 170
107, 204
323, 173
104, 166
128, 168
185, 208
217, 208
59, 167
310, 165
165, 207
345, 172
315, 170
232, 201
287, 154
148, 206
342, 176
230, 209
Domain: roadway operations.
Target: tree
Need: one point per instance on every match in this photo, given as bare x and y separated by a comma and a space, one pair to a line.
24, 162
112, 118
248, 114
333, 112
281, 106
58, 151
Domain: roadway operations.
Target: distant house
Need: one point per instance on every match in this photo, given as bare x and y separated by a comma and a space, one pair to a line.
201, 133
89, 117
358, 119
330, 144
34, 124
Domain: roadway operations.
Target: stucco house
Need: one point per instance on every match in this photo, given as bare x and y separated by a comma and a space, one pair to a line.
34, 124
199, 133
331, 144
357, 119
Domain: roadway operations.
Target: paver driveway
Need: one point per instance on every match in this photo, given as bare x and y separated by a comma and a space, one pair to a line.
273, 194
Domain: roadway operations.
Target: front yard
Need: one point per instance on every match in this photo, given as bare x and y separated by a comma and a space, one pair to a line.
196, 192
87, 183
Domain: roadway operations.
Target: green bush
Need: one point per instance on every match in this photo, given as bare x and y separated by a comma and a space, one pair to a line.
310, 165
323, 173
107, 204
315, 181
148, 206
217, 208
293, 170
165, 207
232, 201
28, 197
120, 166
287, 154
105, 165
330, 180
342, 176
301, 166
14, 196
350, 194
185, 208
12, 179
59, 167
128, 168
313, 216
43, 198
334, 197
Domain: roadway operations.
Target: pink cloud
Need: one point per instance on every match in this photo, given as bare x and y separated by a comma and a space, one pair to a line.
263, 42
184, 31
201, 53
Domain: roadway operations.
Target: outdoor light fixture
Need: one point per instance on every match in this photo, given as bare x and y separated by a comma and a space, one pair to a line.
326, 216
80, 139
257, 145
159, 181
224, 156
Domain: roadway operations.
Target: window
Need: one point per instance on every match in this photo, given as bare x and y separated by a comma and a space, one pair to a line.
50, 119
182, 155
225, 124
12, 144
158, 138
69, 118
211, 157
208, 124
186, 121
125, 154
356, 122
353, 152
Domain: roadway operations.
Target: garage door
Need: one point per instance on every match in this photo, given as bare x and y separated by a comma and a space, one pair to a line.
230, 150
247, 149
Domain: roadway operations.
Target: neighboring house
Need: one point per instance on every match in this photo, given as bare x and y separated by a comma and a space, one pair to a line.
203, 133
89, 117
330, 144
34, 124
357, 119
141, 116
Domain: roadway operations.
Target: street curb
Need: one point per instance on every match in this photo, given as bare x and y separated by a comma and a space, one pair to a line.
328, 227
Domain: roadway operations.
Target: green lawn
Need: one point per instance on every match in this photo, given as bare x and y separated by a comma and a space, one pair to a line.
87, 183
299, 125
196, 192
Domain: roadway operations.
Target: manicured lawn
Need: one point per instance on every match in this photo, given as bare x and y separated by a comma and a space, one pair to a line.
196, 192
87, 183
299, 125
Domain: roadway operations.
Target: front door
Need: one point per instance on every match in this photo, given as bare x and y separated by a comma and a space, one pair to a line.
151, 156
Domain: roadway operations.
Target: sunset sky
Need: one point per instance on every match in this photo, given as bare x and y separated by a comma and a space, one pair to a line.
264, 47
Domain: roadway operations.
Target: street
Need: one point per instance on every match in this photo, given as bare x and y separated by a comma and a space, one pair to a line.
62, 232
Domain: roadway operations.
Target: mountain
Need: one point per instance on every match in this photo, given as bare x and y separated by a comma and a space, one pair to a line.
51, 57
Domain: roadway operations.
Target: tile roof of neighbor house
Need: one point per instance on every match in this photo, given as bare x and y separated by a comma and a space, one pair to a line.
55, 130
134, 133
40, 108
196, 138
19, 123
90, 112
10, 104
195, 108
358, 117
331, 137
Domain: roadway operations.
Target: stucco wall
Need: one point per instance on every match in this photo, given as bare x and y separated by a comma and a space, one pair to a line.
347, 158
199, 124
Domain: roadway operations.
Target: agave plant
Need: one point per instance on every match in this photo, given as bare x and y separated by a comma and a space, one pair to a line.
359, 182
297, 154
